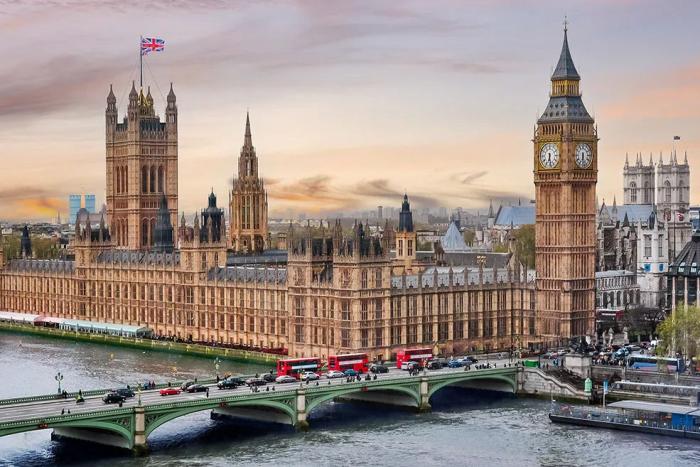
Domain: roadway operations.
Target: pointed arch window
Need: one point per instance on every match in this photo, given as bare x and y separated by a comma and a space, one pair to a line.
633, 192
667, 191
161, 174
646, 193
144, 179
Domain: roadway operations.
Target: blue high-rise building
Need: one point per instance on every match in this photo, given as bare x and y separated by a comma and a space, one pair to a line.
90, 203
73, 207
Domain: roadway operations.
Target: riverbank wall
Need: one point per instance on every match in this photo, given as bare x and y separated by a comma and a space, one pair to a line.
195, 350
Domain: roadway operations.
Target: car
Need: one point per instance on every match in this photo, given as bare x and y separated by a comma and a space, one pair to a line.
410, 365
378, 368
229, 383
434, 365
170, 391
441, 360
255, 382
309, 376
350, 372
269, 377
284, 379
335, 374
468, 360
455, 364
125, 392
196, 388
184, 385
113, 398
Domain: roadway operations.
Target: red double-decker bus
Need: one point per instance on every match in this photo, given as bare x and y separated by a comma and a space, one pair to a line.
421, 356
355, 361
296, 366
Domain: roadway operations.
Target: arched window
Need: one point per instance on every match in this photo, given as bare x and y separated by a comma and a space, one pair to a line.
125, 180
667, 191
144, 179
633, 192
144, 232
647, 193
153, 180
151, 230
160, 179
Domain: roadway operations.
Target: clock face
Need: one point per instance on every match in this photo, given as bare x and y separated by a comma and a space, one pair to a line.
549, 156
584, 155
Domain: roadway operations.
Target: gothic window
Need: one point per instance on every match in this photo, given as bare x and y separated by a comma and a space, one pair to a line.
667, 191
647, 246
646, 193
633, 192
125, 180
151, 230
153, 180
144, 179
144, 232
363, 279
161, 174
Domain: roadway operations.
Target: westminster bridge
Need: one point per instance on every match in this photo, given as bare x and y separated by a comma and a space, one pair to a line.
130, 425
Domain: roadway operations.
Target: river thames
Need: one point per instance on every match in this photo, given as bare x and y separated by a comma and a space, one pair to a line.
465, 427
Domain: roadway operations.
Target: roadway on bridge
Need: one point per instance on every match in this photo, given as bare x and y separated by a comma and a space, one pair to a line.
150, 398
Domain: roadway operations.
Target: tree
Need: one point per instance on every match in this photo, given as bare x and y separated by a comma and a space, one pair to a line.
680, 332
469, 237
525, 245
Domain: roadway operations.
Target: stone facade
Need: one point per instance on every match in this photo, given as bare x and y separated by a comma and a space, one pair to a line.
565, 169
248, 210
141, 168
329, 292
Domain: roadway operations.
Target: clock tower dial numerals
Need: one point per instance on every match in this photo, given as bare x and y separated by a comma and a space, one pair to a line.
584, 156
549, 156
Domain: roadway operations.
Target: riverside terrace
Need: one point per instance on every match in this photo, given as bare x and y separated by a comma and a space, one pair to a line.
129, 426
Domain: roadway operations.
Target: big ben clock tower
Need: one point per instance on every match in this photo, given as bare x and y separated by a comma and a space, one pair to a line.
565, 172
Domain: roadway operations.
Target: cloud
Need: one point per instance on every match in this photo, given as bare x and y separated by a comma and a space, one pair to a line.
380, 190
666, 95
41, 207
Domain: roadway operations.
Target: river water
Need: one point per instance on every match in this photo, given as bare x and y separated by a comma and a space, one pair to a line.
465, 427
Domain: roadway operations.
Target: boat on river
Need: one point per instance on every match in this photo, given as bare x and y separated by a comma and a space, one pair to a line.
681, 421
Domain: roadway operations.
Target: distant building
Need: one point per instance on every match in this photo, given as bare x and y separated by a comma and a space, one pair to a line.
74, 205
90, 203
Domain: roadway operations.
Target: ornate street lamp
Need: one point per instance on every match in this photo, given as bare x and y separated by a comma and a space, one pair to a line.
59, 378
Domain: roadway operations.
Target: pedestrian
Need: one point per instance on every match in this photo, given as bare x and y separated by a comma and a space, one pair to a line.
120, 403
63, 411
273, 388
68, 411
267, 388
207, 392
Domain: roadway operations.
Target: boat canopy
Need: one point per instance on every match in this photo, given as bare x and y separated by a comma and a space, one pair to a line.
655, 407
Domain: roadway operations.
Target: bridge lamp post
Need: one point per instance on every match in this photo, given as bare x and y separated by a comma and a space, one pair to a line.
59, 378
138, 391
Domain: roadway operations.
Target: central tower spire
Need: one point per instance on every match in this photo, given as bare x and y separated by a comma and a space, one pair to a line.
248, 212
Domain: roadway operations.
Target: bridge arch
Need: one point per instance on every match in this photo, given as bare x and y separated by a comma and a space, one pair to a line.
84, 424
313, 401
502, 380
155, 420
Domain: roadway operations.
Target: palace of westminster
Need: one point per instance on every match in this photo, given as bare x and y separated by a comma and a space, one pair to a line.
332, 290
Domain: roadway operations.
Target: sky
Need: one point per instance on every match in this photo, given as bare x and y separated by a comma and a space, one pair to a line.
351, 102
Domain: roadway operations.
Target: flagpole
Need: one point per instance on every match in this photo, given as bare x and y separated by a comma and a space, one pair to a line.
141, 63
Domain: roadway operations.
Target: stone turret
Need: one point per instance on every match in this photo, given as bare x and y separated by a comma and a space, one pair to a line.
26, 243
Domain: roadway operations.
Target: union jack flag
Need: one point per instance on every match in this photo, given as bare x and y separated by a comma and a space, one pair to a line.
151, 44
